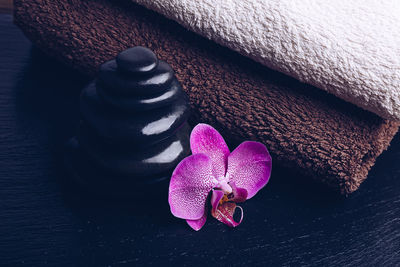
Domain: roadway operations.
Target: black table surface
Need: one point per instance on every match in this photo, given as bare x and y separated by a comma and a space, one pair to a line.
47, 221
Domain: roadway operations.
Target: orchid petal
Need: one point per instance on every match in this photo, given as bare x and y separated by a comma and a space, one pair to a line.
249, 167
239, 194
225, 212
216, 196
190, 184
205, 139
198, 224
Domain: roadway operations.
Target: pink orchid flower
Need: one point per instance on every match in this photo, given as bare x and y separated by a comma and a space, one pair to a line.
231, 177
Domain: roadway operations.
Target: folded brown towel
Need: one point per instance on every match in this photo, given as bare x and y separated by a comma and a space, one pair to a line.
305, 128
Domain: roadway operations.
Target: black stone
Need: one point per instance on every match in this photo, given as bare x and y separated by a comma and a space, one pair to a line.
137, 60
117, 83
150, 160
119, 127
98, 180
133, 129
172, 93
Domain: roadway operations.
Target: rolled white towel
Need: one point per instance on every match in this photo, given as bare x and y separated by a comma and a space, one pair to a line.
348, 48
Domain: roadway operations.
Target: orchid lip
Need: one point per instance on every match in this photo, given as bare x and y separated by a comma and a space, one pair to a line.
230, 221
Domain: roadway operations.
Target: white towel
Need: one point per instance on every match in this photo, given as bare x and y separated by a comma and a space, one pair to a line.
348, 48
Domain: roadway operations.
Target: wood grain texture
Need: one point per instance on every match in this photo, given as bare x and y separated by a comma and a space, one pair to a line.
46, 221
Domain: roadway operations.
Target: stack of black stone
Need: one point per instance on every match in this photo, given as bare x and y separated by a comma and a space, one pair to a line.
133, 129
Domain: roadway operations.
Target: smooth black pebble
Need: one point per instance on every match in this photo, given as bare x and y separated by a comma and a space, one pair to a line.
122, 84
117, 126
171, 94
137, 60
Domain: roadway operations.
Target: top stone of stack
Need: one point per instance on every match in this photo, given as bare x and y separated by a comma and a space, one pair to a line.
137, 60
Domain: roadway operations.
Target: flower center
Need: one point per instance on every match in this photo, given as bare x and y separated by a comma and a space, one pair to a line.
224, 199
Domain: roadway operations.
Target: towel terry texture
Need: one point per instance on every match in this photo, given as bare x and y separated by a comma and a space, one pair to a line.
304, 128
348, 48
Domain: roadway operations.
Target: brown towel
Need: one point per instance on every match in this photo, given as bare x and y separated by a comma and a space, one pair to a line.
332, 141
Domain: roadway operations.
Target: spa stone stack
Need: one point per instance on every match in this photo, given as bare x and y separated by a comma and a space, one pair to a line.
133, 129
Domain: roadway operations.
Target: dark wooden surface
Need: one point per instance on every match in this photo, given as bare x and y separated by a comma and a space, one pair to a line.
46, 221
